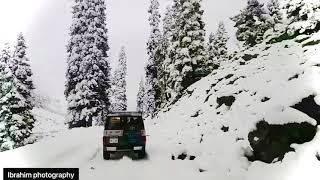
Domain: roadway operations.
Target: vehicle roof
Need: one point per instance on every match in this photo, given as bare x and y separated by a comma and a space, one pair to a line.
125, 113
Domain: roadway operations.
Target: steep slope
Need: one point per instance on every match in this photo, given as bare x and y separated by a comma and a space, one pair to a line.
213, 119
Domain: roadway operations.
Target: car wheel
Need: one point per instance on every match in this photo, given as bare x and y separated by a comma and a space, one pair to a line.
141, 154
106, 155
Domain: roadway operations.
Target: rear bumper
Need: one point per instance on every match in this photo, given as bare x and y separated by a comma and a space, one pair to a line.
113, 148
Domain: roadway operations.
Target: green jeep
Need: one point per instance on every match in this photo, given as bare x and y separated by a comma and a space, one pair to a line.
124, 132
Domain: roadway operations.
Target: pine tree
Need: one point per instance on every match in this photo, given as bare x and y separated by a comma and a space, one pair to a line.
16, 120
217, 46
187, 56
164, 45
5, 54
274, 12
154, 61
141, 97
119, 93
212, 61
170, 36
171, 23
168, 24
303, 15
88, 69
21, 69
251, 23
221, 43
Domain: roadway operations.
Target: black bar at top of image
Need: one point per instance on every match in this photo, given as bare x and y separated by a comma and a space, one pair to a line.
40, 173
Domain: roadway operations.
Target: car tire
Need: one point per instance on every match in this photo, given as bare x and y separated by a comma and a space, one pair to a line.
106, 155
141, 154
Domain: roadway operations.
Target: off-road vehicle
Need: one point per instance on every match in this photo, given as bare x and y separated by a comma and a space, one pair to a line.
124, 132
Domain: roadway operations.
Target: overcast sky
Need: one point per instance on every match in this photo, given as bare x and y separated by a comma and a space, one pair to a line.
46, 22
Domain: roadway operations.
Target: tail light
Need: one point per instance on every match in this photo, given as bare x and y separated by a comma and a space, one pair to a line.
143, 135
144, 138
105, 140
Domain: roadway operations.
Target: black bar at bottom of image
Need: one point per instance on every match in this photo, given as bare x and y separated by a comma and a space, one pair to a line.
40, 173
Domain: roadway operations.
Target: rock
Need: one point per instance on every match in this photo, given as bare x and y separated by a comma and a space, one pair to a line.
273, 141
309, 107
182, 156
248, 57
227, 100
265, 99
225, 128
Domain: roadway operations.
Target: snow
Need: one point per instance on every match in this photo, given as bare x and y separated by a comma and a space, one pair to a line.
193, 126
47, 123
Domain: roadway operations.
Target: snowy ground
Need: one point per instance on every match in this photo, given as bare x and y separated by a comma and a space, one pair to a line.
284, 72
48, 123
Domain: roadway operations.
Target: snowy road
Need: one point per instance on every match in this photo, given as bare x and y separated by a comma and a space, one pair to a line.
82, 148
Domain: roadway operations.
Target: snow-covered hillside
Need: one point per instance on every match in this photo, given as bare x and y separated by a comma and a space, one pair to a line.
47, 123
214, 117
204, 135
50, 116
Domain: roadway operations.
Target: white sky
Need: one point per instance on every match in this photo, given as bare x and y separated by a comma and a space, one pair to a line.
46, 22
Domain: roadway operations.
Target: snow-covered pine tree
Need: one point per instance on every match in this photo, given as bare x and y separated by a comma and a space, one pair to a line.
251, 23
88, 69
141, 97
212, 61
5, 53
170, 34
154, 60
20, 67
274, 12
164, 44
171, 51
217, 47
168, 23
221, 42
187, 56
5, 56
303, 15
120, 84
16, 120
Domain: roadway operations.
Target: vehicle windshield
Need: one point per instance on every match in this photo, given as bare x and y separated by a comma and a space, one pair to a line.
128, 123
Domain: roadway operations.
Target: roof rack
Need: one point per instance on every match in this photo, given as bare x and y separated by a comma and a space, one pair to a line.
125, 113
